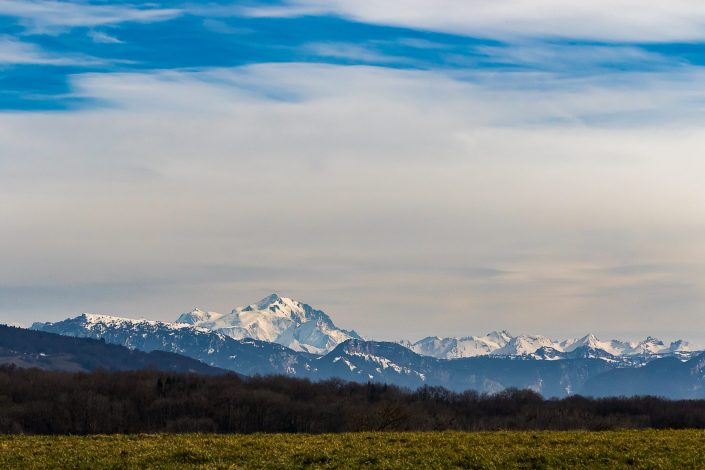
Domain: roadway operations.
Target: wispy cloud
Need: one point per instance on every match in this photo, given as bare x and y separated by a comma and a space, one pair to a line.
603, 20
49, 16
352, 52
15, 52
102, 37
216, 35
574, 58
221, 27
509, 99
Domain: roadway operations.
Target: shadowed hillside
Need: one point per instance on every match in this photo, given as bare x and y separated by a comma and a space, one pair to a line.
49, 351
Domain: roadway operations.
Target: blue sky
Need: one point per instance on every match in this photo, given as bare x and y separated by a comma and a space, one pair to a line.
411, 167
40, 51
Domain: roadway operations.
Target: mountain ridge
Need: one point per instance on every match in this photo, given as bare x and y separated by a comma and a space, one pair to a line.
213, 348
502, 343
300, 327
49, 351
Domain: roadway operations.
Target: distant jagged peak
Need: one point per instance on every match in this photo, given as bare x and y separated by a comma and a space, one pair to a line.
652, 340
503, 343
432, 338
92, 318
524, 344
196, 316
275, 305
502, 335
275, 299
99, 320
589, 340
276, 319
271, 305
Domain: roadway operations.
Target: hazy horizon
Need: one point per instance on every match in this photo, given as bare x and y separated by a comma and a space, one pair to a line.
174, 318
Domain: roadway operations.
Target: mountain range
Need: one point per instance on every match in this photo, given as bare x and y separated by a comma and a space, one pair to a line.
354, 359
300, 327
246, 356
279, 335
502, 343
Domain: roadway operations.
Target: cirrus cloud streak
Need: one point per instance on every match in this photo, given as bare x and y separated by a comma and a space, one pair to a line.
601, 20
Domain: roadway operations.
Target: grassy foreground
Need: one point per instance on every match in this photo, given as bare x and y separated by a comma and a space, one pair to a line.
613, 449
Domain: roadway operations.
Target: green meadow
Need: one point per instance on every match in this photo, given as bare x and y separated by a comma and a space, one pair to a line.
492, 450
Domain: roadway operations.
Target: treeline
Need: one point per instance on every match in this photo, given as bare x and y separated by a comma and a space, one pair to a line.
41, 402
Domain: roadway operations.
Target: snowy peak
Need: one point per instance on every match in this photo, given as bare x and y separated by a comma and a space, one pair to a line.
97, 322
276, 302
453, 348
213, 348
196, 316
275, 319
523, 345
499, 337
652, 345
590, 341
502, 343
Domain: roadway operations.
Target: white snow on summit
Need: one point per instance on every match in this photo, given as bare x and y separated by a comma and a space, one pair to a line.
300, 327
504, 344
453, 348
275, 319
99, 320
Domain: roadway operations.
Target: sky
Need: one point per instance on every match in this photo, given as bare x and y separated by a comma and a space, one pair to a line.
413, 168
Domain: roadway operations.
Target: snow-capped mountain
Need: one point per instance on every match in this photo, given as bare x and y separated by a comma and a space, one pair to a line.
393, 363
540, 347
277, 320
647, 347
453, 348
216, 349
279, 335
524, 344
547, 370
354, 360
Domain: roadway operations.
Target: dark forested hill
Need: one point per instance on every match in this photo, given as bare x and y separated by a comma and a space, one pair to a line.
46, 402
49, 351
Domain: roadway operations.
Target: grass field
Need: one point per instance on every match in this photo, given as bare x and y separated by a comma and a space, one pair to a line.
612, 449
